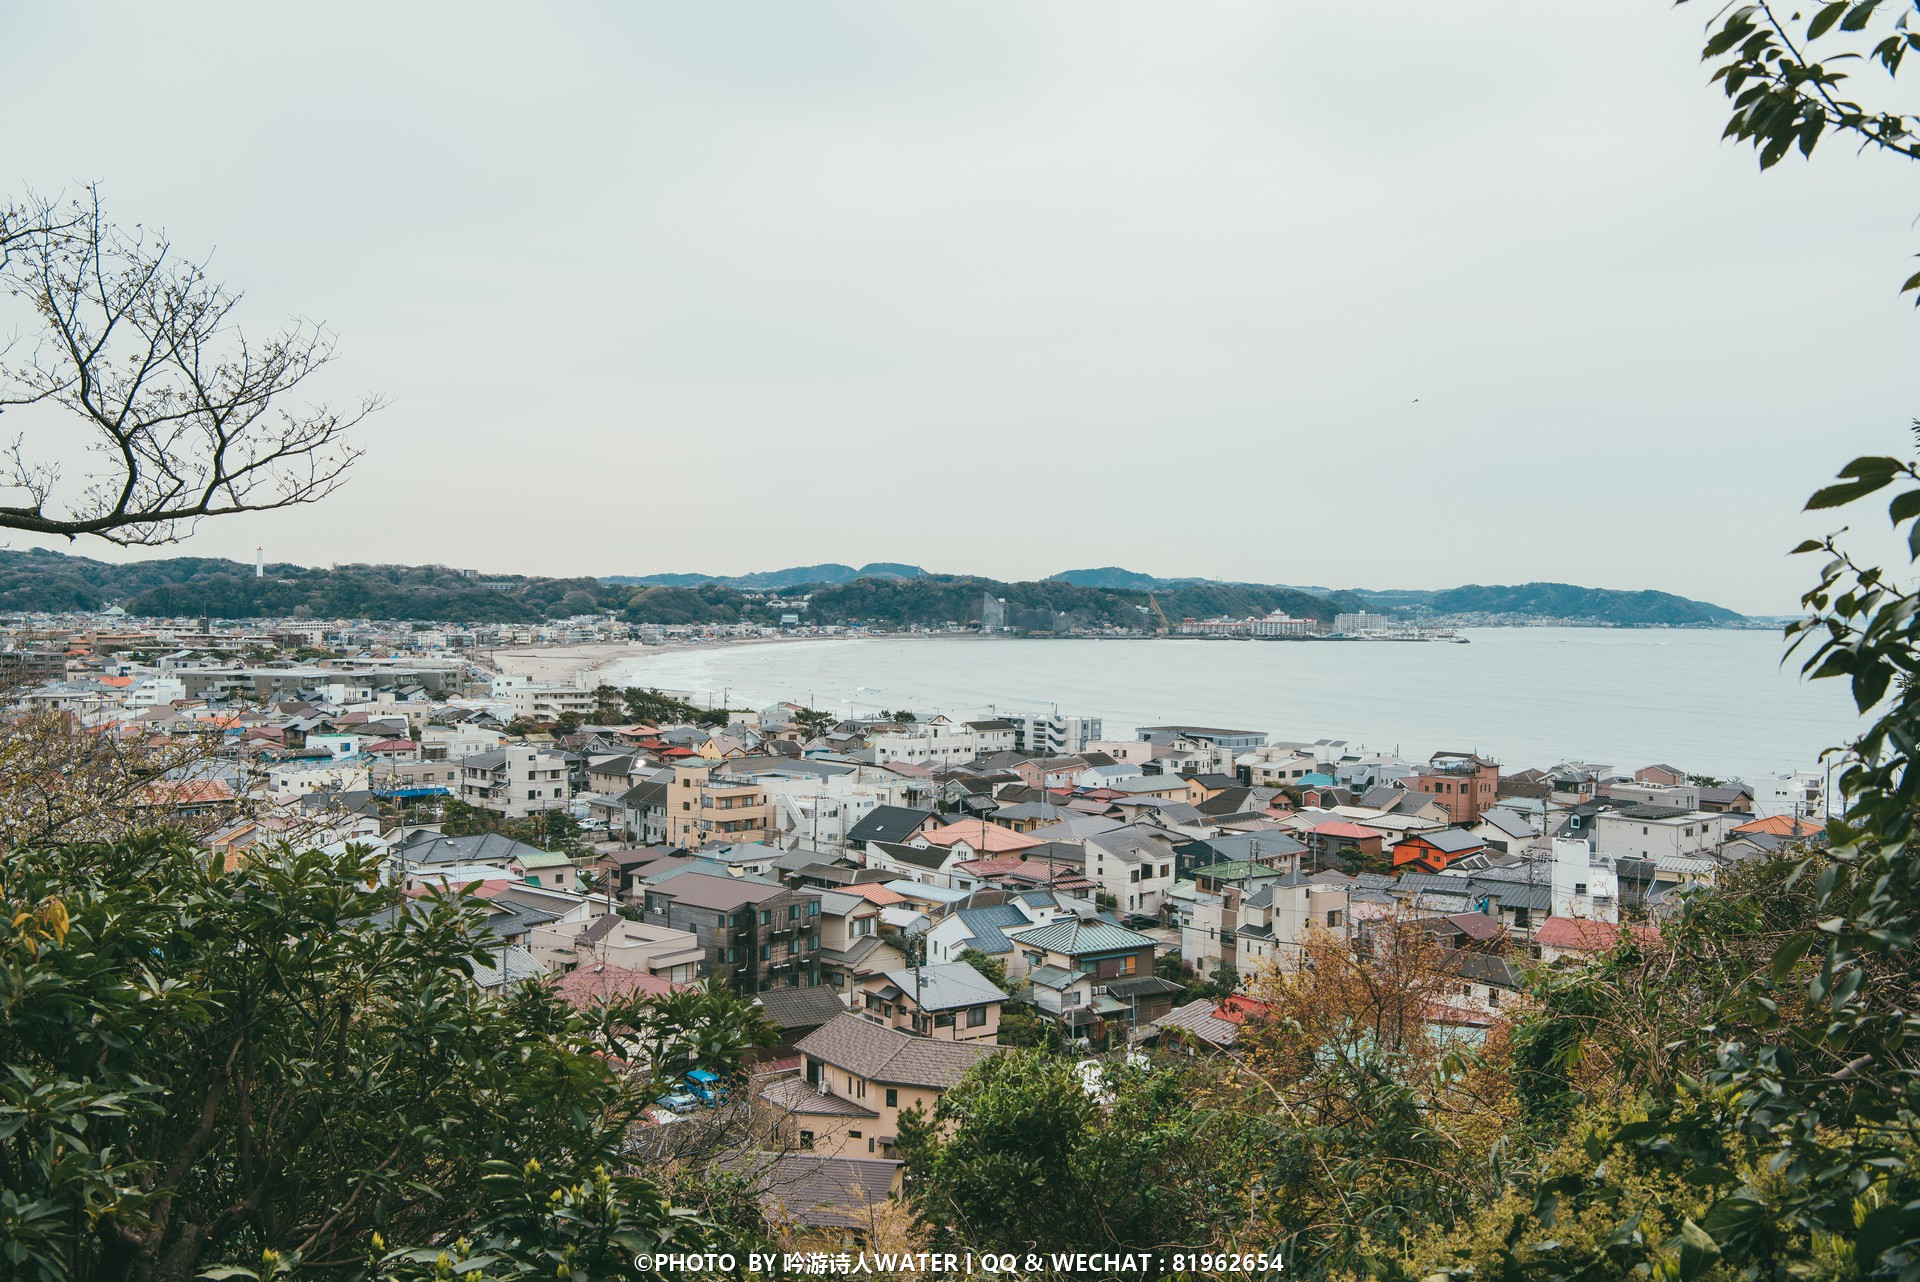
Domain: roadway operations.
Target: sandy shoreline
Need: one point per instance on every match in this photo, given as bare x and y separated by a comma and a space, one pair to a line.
583, 664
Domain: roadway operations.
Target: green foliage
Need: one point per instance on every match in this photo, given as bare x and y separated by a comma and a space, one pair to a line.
994, 968
657, 709
205, 1065
1022, 1024
813, 722
1026, 1153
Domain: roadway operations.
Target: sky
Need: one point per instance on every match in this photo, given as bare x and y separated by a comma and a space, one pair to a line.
1273, 292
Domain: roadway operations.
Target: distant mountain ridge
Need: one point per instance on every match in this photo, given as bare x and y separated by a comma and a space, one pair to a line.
774, 580
1621, 608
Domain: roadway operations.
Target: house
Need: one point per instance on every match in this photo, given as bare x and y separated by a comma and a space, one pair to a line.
977, 838
1209, 1025
1658, 832
1504, 831
950, 1001
1436, 850
1570, 938
674, 956
1075, 965
1273, 922
931, 864
605, 982
895, 824
1734, 798
1660, 772
856, 1077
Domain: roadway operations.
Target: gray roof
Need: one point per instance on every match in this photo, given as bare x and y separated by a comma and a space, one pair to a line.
820, 1191
1198, 1020
704, 890
1447, 840
1134, 843
511, 965
946, 986
806, 1008
425, 847
889, 823
1508, 822
878, 1054
918, 856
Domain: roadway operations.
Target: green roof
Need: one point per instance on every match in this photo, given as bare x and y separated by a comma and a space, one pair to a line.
1074, 937
542, 859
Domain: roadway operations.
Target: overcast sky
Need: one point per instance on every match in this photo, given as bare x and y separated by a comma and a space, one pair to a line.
1351, 295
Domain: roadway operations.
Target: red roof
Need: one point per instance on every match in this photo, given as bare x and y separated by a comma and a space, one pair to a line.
1589, 936
1236, 1009
603, 982
1341, 828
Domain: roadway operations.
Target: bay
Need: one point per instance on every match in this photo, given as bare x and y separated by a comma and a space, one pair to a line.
1709, 701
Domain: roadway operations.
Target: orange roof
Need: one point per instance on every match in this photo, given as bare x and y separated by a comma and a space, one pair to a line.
603, 982
1782, 826
118, 683
980, 835
872, 892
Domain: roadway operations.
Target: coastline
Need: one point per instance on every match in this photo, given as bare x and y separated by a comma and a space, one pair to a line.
584, 663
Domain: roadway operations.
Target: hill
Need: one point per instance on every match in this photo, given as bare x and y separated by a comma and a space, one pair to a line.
1565, 601
1516, 602
777, 580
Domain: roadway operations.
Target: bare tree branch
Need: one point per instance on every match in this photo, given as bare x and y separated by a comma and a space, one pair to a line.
182, 415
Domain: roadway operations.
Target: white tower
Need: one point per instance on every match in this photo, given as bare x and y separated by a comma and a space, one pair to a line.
259, 563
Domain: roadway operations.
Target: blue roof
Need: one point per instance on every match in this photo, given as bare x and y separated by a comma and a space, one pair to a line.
986, 923
1316, 781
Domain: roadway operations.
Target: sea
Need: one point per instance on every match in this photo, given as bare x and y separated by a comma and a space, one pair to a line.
1709, 701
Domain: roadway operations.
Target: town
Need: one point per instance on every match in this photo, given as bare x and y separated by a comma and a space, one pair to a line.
902, 894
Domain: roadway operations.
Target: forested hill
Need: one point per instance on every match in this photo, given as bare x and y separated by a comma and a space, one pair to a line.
36, 581
1523, 601
1565, 601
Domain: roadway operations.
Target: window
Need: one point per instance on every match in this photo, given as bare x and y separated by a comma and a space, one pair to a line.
806, 1139
893, 1098
813, 908
976, 1018
766, 952
766, 917
853, 1135
944, 1020
793, 912
1579, 887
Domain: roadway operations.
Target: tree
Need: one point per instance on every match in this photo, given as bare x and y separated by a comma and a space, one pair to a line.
138, 354
994, 968
207, 1065
1028, 1152
813, 722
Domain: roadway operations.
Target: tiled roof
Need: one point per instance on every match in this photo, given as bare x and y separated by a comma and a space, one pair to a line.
884, 1055
822, 1192
604, 982
980, 835
808, 1008
1588, 936
704, 890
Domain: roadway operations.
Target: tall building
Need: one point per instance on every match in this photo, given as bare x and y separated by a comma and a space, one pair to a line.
1052, 735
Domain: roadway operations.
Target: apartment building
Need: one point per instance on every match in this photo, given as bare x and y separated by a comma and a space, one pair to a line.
1052, 735
515, 781
703, 806
755, 935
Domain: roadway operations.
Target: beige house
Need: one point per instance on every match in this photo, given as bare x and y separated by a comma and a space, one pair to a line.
855, 1080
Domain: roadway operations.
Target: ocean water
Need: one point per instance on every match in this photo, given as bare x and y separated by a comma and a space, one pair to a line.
1709, 701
